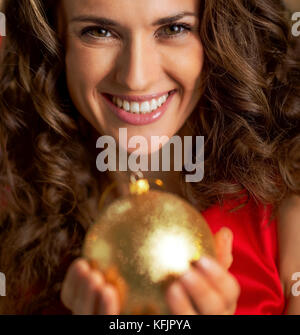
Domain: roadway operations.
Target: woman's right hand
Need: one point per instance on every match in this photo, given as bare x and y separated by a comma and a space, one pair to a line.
85, 292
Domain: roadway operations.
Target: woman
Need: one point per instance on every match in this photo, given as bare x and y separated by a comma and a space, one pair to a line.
226, 72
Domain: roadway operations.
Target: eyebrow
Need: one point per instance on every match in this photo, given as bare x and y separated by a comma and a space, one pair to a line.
172, 19
112, 23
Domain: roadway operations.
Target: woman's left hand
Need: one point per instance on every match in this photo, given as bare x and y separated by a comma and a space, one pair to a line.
207, 288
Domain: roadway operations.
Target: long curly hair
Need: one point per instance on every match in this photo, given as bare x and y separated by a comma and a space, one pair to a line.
249, 114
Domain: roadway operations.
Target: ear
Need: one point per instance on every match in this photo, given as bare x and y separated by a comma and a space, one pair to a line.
223, 243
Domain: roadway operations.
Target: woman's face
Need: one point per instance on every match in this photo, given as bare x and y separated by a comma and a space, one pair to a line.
133, 64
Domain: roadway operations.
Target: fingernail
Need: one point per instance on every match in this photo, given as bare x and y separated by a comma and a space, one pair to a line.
187, 277
206, 263
174, 292
175, 289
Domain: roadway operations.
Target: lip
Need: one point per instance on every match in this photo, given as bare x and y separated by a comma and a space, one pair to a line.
139, 119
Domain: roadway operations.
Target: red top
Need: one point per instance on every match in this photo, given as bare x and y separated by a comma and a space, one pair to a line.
255, 255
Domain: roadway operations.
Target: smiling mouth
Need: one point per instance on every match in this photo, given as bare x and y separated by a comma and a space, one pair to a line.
139, 105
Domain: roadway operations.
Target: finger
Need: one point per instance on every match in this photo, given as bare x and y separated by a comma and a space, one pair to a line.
204, 296
71, 282
220, 279
178, 301
80, 303
223, 243
110, 301
90, 288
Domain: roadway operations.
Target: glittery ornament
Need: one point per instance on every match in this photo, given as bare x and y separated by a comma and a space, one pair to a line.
143, 241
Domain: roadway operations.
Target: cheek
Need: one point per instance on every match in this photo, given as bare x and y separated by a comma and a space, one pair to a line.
86, 68
186, 67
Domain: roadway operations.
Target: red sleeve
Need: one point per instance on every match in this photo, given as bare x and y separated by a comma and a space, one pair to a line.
255, 255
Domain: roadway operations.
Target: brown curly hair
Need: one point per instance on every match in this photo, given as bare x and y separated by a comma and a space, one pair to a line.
249, 114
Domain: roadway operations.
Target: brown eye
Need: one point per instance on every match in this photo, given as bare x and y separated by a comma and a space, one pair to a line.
174, 30
97, 32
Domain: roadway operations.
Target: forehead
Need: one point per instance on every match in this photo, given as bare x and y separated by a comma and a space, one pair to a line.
128, 11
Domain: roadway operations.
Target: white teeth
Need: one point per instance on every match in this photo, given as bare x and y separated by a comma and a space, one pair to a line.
126, 106
119, 103
140, 108
153, 104
135, 107
145, 107
160, 101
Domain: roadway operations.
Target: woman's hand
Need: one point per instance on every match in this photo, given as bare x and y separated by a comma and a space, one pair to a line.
207, 288
85, 292
211, 288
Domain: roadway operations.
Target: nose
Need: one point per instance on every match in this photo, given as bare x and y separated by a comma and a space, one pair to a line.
138, 65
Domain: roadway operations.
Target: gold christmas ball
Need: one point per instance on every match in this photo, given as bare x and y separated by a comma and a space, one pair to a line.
142, 241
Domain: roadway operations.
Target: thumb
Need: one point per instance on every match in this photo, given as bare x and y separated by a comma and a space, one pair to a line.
223, 243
